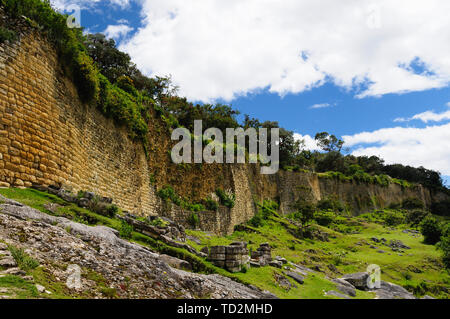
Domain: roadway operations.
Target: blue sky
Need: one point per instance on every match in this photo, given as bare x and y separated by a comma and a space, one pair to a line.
373, 72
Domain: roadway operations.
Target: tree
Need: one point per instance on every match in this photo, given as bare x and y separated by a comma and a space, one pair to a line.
430, 230
111, 62
329, 143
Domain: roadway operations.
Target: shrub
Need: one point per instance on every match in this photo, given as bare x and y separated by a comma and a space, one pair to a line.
112, 210
324, 218
330, 204
415, 217
445, 245
7, 35
211, 204
257, 220
412, 203
194, 220
85, 77
431, 230
126, 230
24, 261
394, 218
167, 193
441, 208
226, 199
196, 207
305, 212
158, 222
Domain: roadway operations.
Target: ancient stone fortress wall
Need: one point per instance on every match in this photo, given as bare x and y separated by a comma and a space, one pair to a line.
48, 137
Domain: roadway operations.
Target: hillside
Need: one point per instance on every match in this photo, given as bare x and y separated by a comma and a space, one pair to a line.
86, 178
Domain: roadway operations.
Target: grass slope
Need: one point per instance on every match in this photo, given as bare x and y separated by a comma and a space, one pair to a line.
418, 269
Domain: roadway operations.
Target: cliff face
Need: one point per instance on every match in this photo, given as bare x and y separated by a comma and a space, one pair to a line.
48, 137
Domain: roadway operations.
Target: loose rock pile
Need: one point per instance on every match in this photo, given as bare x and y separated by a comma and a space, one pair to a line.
262, 256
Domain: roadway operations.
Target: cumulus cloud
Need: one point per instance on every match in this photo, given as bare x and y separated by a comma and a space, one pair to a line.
428, 116
222, 49
117, 31
310, 142
428, 147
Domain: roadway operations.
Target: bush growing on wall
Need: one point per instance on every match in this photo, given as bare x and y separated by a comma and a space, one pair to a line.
226, 199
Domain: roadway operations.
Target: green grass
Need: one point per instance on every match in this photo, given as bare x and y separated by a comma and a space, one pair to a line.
18, 288
22, 259
342, 251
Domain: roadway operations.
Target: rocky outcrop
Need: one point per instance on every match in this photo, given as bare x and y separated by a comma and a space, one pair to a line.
386, 290
132, 270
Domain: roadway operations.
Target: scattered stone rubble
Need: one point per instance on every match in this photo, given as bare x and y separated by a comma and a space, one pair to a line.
262, 256
132, 270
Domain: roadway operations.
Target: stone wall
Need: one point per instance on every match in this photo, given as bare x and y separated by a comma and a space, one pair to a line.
48, 137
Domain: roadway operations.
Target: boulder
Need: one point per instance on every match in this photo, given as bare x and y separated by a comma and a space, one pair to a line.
176, 262
276, 264
281, 259
296, 277
345, 287
391, 291
358, 280
7, 262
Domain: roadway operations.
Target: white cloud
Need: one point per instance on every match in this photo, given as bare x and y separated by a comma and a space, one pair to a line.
84, 4
310, 142
117, 31
428, 147
222, 49
428, 116
321, 106
448, 104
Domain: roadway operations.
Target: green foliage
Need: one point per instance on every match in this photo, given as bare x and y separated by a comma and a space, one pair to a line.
112, 210
444, 245
23, 288
412, 203
331, 203
125, 108
193, 220
7, 35
226, 199
22, 259
441, 208
329, 143
211, 204
324, 218
158, 222
68, 42
415, 217
126, 230
394, 218
266, 209
431, 230
85, 77
304, 212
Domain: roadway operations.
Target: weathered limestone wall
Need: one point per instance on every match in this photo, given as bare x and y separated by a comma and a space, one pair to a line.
359, 198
